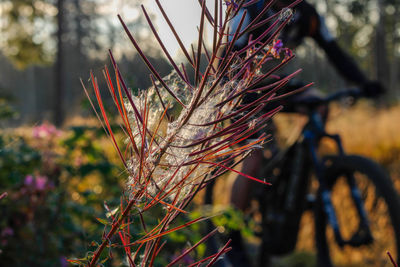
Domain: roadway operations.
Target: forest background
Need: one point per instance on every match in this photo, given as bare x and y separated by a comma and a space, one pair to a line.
47, 45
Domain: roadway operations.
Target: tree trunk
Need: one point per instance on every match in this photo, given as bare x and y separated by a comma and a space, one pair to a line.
79, 30
394, 68
381, 62
59, 71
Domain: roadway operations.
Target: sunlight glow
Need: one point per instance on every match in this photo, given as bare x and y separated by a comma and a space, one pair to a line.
184, 15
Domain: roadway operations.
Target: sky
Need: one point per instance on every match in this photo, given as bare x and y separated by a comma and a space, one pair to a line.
184, 15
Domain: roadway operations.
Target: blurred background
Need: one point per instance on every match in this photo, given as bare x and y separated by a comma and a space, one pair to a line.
46, 46
55, 161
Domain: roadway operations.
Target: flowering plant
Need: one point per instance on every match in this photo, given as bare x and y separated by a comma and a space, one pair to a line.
170, 157
47, 197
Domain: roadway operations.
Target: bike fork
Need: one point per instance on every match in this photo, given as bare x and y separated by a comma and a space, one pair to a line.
363, 235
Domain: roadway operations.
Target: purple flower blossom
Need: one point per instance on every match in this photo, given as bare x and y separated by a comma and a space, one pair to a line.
28, 180
288, 52
278, 45
63, 261
276, 48
39, 183
231, 3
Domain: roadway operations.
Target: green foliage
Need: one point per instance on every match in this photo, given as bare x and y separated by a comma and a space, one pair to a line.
17, 159
54, 212
24, 20
25, 51
231, 219
48, 216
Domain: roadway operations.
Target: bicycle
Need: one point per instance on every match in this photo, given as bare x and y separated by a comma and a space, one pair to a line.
363, 188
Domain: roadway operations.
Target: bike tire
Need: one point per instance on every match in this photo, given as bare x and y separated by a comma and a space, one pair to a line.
381, 202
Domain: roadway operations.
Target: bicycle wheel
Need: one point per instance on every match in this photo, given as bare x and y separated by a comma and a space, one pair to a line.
381, 203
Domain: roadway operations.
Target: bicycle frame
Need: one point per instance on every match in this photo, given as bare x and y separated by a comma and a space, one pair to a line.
312, 133
304, 158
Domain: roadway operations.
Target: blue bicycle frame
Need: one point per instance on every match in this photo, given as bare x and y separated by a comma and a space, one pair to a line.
313, 132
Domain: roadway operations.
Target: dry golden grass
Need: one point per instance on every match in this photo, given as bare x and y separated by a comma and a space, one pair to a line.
371, 132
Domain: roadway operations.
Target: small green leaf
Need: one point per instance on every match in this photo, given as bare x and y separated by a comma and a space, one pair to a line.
103, 221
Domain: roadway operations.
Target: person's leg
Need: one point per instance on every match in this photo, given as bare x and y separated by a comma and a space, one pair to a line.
240, 194
240, 198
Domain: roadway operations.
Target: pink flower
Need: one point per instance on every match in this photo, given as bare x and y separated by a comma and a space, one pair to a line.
45, 130
41, 182
8, 231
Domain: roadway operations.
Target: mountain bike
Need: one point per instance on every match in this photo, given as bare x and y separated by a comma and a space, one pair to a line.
355, 205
